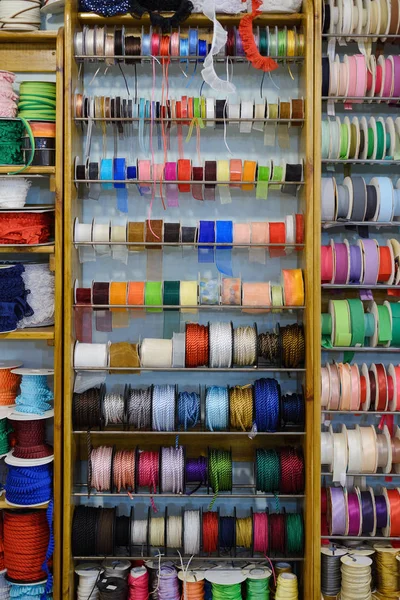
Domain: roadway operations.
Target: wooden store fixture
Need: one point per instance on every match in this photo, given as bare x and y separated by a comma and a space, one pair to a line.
35, 53
75, 444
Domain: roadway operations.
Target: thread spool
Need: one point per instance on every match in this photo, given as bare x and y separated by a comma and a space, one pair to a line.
88, 574
35, 395
116, 568
138, 582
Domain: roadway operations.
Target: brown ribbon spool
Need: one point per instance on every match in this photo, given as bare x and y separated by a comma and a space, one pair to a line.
136, 234
124, 354
297, 111
154, 233
285, 110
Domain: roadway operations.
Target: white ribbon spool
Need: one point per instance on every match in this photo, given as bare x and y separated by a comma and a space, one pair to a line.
156, 353
90, 355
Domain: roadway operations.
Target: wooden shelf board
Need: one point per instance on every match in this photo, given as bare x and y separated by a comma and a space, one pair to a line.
197, 19
31, 37
29, 170
34, 333
27, 249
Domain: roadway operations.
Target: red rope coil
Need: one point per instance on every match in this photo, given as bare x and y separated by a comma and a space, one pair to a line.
196, 345
26, 537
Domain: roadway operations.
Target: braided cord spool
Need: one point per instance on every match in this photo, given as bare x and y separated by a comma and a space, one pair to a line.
244, 532
245, 346
268, 472
241, 407
197, 340
293, 345
220, 472
294, 533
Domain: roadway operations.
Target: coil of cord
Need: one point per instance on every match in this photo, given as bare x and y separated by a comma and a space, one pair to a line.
86, 409
284, 348
114, 588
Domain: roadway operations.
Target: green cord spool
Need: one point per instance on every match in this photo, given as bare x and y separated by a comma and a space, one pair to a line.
294, 533
257, 589
37, 100
268, 471
226, 592
219, 472
5, 430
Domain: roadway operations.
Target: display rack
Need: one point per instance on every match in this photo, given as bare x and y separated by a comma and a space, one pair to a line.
243, 448
336, 230
35, 53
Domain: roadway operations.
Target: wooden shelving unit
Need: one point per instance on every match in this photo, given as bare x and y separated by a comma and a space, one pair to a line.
36, 53
75, 441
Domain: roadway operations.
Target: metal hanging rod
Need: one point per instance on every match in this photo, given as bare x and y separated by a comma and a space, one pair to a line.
196, 370
328, 224
207, 558
396, 475
360, 537
372, 99
360, 349
185, 496
360, 161
211, 307
356, 36
188, 120
361, 412
189, 181
132, 59
356, 286
202, 432
196, 244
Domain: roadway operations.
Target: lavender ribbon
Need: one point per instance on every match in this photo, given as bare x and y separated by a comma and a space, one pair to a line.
338, 511
355, 264
371, 267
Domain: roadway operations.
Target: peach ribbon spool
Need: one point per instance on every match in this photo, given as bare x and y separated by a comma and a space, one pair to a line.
334, 400
241, 233
345, 386
256, 294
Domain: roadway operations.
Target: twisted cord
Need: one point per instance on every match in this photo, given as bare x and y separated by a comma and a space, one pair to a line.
267, 394
26, 541
221, 340
100, 468
163, 408
217, 408
86, 409
293, 345
268, 471
188, 410
197, 342
219, 473
293, 409
245, 346
191, 532
124, 470
241, 407
5, 430
139, 409
172, 470
269, 347
114, 409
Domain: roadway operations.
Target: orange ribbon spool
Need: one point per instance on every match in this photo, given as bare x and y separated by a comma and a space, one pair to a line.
385, 264
394, 512
293, 287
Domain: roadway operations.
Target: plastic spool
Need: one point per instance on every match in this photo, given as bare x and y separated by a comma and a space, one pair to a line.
224, 576
15, 415
397, 436
365, 406
88, 573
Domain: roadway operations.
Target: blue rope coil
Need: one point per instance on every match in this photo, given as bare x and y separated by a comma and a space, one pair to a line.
163, 408
293, 409
13, 304
29, 485
266, 392
217, 408
35, 395
188, 410
33, 592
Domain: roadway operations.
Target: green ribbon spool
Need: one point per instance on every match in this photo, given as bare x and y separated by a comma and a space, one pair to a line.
153, 295
371, 140
357, 322
380, 144
282, 42
344, 140
263, 42
395, 308
343, 334
277, 175
171, 293
369, 325
263, 175
384, 326
326, 324
196, 108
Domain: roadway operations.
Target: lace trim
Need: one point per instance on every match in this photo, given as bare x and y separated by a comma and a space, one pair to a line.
40, 281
